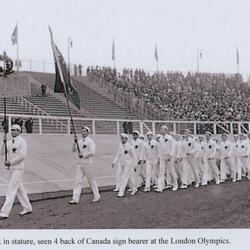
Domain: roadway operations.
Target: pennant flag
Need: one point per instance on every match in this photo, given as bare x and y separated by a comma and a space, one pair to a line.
200, 54
237, 56
14, 36
71, 44
113, 50
63, 81
156, 53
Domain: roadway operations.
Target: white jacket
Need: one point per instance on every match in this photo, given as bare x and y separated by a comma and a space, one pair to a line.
16, 151
152, 150
210, 149
189, 148
226, 149
125, 155
243, 148
87, 148
167, 146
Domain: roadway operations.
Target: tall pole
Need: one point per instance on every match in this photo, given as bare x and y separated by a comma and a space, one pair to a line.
69, 41
198, 61
5, 129
237, 60
17, 50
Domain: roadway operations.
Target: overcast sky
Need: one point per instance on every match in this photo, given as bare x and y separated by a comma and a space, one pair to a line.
179, 27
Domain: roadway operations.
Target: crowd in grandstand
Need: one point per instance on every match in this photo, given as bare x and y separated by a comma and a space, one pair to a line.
198, 96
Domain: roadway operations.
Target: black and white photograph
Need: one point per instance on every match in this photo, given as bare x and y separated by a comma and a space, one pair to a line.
130, 118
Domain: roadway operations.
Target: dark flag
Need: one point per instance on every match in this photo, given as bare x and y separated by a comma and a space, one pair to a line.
63, 82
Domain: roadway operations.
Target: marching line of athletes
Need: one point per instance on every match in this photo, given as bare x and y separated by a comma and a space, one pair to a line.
170, 158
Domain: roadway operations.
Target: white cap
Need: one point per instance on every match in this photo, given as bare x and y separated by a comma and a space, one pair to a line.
136, 132
187, 131
141, 136
123, 135
149, 133
164, 127
86, 128
17, 127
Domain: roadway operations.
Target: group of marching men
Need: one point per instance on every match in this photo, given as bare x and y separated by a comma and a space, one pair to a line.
170, 159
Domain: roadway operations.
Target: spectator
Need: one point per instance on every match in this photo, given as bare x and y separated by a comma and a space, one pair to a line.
29, 126
80, 69
125, 127
75, 70
43, 89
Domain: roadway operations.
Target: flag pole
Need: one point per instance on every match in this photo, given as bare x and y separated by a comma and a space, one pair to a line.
71, 119
237, 60
17, 50
198, 61
5, 129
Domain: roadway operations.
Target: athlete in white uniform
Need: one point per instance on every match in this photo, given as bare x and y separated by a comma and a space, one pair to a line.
16, 152
126, 158
138, 145
167, 166
236, 157
189, 153
227, 162
210, 157
243, 156
201, 162
152, 156
84, 166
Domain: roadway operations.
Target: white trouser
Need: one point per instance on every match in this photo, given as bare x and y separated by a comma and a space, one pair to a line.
244, 163
151, 172
127, 177
178, 168
118, 176
139, 175
15, 187
81, 172
192, 162
202, 170
227, 164
214, 168
239, 165
168, 168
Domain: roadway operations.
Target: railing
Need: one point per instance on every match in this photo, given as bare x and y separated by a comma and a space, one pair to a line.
38, 112
116, 126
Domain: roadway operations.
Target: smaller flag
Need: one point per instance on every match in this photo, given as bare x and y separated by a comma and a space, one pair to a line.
200, 54
14, 36
113, 50
237, 56
71, 44
156, 53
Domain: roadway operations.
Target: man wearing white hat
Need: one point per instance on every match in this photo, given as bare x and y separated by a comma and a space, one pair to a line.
189, 155
210, 157
167, 166
226, 154
126, 158
241, 154
16, 152
84, 166
138, 145
152, 156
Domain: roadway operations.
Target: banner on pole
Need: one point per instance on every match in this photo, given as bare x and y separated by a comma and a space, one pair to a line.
15, 86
